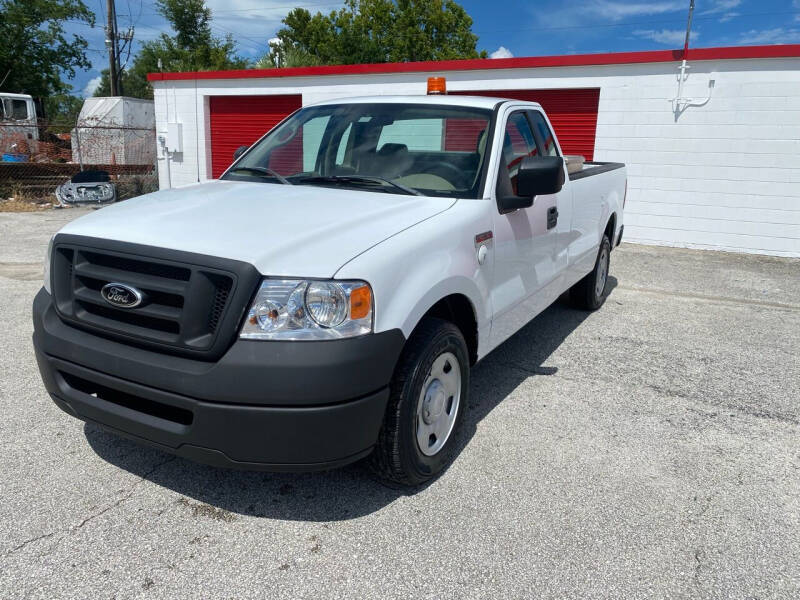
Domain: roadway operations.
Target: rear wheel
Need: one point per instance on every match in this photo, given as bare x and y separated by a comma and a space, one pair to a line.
428, 397
590, 292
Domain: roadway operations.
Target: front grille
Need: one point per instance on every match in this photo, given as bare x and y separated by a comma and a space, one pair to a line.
184, 306
217, 308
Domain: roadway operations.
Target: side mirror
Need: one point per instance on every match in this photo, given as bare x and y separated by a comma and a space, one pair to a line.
537, 175
239, 151
540, 175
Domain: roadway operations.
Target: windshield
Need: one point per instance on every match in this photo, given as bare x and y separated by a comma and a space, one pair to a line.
434, 150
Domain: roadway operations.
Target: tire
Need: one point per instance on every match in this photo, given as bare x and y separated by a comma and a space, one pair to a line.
428, 397
590, 292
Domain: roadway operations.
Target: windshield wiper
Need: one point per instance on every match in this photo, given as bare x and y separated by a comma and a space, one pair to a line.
263, 171
359, 179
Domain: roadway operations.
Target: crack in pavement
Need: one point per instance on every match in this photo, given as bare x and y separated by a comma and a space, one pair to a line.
709, 297
699, 555
91, 517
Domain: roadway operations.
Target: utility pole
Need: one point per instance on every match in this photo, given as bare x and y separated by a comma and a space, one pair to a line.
120, 91
111, 44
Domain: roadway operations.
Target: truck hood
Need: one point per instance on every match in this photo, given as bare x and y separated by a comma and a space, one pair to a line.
299, 231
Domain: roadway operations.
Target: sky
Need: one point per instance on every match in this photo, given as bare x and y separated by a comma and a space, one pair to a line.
507, 28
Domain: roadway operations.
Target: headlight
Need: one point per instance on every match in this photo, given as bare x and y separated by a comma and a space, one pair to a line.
47, 258
295, 309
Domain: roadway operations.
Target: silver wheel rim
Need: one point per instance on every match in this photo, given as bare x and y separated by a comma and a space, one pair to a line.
438, 404
602, 273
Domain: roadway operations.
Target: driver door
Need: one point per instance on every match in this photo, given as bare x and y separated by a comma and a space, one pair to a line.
525, 240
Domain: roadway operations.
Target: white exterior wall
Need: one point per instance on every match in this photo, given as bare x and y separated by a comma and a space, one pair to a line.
724, 176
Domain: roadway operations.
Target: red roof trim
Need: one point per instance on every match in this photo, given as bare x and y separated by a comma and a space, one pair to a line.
528, 62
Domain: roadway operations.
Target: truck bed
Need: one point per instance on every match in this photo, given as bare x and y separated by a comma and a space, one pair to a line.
595, 168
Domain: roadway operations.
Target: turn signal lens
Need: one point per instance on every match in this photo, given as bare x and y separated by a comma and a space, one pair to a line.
436, 86
360, 302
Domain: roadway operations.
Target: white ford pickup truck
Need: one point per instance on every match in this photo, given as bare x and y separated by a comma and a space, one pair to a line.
325, 299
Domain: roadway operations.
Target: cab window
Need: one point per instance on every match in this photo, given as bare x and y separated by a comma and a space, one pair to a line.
418, 135
15, 109
546, 138
518, 144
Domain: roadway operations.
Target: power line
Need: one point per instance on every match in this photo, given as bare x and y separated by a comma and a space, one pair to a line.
559, 28
631, 23
263, 9
255, 44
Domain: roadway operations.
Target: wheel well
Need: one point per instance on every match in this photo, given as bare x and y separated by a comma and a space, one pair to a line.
457, 309
611, 227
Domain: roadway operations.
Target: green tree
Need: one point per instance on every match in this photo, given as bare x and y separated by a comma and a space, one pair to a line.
62, 109
375, 31
192, 48
35, 52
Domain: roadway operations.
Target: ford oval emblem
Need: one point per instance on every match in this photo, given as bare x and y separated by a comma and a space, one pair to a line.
121, 295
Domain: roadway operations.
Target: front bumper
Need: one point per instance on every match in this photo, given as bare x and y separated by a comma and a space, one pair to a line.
263, 405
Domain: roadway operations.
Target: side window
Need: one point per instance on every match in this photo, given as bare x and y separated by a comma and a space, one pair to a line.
518, 144
545, 135
15, 110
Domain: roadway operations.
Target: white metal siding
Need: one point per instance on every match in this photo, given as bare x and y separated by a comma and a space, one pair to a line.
722, 176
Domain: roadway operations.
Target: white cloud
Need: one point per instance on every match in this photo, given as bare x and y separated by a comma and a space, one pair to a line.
588, 13
724, 8
501, 52
669, 37
252, 23
728, 16
91, 86
778, 35
721, 6
617, 11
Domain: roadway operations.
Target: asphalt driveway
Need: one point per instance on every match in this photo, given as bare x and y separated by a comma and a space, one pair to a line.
648, 450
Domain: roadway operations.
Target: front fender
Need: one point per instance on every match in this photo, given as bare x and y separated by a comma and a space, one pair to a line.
442, 289
413, 270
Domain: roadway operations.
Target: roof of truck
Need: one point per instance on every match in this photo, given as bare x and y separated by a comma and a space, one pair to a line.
457, 100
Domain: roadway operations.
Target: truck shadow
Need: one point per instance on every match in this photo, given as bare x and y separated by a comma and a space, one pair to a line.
350, 492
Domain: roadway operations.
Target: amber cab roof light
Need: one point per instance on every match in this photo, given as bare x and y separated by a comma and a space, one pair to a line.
436, 86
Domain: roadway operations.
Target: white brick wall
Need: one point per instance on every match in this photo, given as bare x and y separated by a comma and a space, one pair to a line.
722, 176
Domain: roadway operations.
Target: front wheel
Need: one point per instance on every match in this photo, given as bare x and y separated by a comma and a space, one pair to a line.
428, 396
590, 292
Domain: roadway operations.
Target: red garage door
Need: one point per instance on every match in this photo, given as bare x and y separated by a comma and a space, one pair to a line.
573, 114
240, 120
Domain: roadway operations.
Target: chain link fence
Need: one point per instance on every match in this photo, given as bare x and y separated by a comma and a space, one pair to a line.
36, 159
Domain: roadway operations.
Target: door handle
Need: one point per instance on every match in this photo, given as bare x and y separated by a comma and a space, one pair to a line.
552, 217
